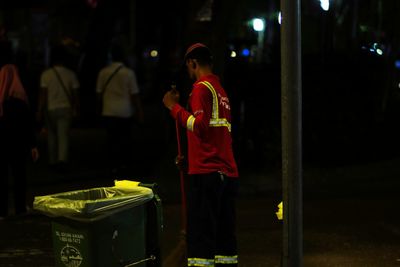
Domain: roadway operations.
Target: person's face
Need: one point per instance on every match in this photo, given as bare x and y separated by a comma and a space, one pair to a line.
191, 67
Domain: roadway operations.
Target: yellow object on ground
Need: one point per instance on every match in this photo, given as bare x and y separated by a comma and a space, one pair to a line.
125, 184
279, 214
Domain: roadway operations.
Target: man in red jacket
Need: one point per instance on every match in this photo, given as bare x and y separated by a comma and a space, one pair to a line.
213, 175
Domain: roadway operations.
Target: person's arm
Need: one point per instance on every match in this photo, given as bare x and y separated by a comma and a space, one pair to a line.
99, 93
75, 96
75, 102
201, 104
35, 154
135, 96
29, 121
42, 105
137, 104
99, 103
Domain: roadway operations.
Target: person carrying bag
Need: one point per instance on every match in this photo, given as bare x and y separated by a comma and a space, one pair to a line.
118, 102
58, 105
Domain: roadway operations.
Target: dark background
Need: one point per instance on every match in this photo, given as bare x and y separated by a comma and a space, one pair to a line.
351, 93
350, 103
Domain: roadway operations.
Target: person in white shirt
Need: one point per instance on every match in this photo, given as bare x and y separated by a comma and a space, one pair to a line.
119, 102
59, 101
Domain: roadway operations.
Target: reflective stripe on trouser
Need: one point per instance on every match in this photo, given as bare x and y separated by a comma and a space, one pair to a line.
219, 259
200, 262
211, 217
226, 259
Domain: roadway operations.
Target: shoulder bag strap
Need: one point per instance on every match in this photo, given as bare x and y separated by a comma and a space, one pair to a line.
63, 86
110, 78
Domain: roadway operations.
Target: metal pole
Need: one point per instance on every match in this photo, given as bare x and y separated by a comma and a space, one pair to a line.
291, 133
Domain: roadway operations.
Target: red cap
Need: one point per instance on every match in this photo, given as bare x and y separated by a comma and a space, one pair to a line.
193, 47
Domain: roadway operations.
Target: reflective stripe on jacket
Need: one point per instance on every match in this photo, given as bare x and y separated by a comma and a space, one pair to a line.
208, 124
215, 120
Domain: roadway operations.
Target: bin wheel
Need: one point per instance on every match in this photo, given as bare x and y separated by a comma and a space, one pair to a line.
126, 263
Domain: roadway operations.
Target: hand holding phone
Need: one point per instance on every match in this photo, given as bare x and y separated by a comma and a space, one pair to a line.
171, 97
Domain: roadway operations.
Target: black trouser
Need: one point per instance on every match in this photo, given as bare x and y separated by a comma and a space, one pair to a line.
13, 156
211, 238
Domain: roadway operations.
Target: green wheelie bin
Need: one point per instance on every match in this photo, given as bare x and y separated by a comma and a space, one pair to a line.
105, 227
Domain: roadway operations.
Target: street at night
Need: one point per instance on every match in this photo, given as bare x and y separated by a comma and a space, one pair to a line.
351, 214
203, 102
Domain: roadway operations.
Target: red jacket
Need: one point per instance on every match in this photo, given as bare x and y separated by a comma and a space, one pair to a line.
208, 124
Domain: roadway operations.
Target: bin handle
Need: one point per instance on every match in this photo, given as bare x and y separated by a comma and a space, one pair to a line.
123, 262
152, 258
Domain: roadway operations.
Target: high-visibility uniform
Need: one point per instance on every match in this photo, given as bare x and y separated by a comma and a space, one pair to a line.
208, 124
212, 182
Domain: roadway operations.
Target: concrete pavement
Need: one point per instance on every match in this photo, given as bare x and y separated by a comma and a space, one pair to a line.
343, 232
351, 213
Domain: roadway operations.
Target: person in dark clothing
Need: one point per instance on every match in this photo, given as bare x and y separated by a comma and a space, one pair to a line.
118, 97
17, 138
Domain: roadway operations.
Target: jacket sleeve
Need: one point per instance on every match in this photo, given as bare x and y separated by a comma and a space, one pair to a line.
196, 121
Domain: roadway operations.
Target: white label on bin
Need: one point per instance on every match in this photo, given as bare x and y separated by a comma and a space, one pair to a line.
70, 238
70, 256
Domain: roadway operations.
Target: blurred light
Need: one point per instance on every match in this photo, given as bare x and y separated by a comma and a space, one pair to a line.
67, 41
397, 64
375, 48
399, 85
363, 28
280, 17
153, 53
233, 54
92, 3
245, 52
324, 4
258, 25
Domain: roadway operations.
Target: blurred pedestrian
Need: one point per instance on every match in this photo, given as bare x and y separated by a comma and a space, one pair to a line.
58, 104
213, 175
119, 103
17, 137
